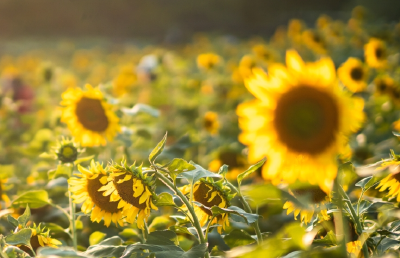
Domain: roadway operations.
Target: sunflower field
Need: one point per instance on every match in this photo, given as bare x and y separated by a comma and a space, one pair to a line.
283, 146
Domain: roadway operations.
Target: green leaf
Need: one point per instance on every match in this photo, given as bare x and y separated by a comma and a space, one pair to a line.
59, 252
194, 175
387, 243
24, 218
161, 237
14, 252
180, 230
157, 150
238, 237
164, 199
223, 170
328, 240
249, 218
180, 219
35, 199
12, 220
105, 251
138, 108
197, 251
250, 170
115, 240
63, 170
160, 251
348, 166
177, 166
368, 182
96, 237
22, 237
79, 161
129, 233
261, 194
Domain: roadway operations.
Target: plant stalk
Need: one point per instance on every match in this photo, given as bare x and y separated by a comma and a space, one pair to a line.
72, 221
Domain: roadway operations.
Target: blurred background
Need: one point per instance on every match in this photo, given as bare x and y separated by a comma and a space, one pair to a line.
170, 21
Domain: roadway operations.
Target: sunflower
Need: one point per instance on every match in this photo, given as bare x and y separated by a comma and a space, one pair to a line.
67, 150
124, 81
392, 181
316, 200
300, 121
210, 122
208, 61
375, 53
40, 238
85, 188
353, 74
235, 161
384, 85
247, 63
90, 119
210, 193
131, 191
4, 197
314, 41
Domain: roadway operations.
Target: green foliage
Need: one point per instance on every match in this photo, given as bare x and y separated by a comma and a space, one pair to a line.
35, 199
157, 150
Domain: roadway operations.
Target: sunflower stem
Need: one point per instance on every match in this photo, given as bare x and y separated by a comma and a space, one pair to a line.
341, 217
183, 198
72, 221
247, 208
208, 226
145, 231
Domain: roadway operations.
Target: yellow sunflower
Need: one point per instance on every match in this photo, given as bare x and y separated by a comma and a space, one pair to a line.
210, 193
383, 85
210, 122
314, 41
247, 63
354, 249
353, 74
316, 200
131, 191
392, 181
40, 238
300, 121
235, 161
85, 188
208, 61
89, 118
375, 53
67, 150
3, 195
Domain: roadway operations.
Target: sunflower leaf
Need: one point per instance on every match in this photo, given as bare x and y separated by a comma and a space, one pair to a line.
161, 237
96, 237
158, 149
368, 182
12, 220
60, 252
180, 230
250, 170
178, 166
248, 217
35, 199
238, 237
194, 175
165, 199
146, 250
22, 237
63, 170
24, 218
79, 161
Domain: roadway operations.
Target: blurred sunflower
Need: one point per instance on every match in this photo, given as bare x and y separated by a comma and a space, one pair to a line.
210, 193
353, 74
210, 122
392, 181
131, 191
354, 248
85, 188
247, 63
89, 118
124, 81
263, 53
236, 162
375, 53
314, 41
3, 195
300, 121
383, 85
40, 238
208, 61
316, 200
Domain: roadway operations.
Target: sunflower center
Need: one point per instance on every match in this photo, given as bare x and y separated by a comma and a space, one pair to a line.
379, 53
229, 158
203, 195
357, 73
397, 176
208, 123
103, 202
382, 86
125, 190
91, 114
316, 195
306, 119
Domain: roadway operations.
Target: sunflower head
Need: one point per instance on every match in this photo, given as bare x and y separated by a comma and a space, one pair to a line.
208, 61
383, 85
41, 238
86, 188
375, 53
67, 150
247, 63
353, 74
300, 120
89, 117
235, 161
313, 199
354, 248
314, 41
392, 181
132, 191
210, 122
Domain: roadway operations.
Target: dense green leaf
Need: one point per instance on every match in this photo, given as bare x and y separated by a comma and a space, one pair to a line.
180, 230
161, 237
250, 170
158, 149
238, 237
164, 199
96, 237
24, 218
35, 199
194, 175
21, 237
177, 166
250, 218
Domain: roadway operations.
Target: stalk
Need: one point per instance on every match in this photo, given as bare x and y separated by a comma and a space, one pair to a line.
72, 221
